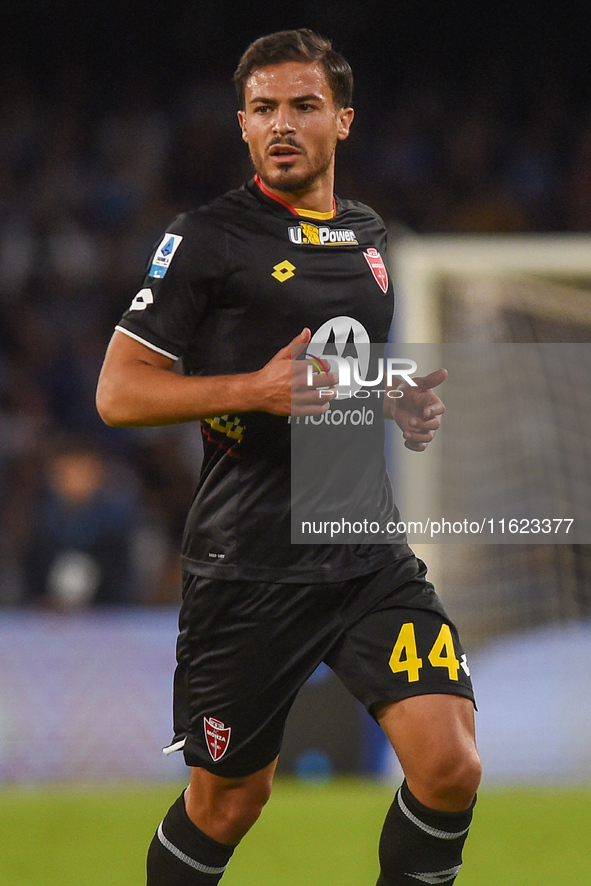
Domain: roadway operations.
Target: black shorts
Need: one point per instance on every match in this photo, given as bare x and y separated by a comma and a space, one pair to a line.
246, 648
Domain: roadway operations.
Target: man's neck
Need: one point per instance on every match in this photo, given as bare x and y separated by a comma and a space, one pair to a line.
319, 198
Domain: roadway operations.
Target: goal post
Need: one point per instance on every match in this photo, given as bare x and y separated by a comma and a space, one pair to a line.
532, 293
421, 263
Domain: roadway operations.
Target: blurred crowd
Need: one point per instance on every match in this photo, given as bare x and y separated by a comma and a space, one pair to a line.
93, 515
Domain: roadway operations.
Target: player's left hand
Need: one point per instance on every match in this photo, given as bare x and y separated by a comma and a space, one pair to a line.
418, 412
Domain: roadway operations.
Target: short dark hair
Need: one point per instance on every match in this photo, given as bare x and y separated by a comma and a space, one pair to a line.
301, 45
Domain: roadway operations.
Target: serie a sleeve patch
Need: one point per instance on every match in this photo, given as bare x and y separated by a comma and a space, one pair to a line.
164, 254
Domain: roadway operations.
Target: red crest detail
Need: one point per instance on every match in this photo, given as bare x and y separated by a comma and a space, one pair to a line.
217, 737
378, 268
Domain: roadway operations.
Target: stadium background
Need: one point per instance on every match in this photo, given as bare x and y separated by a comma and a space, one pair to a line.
470, 120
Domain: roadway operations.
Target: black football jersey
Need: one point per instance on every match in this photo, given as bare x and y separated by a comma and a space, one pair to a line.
227, 287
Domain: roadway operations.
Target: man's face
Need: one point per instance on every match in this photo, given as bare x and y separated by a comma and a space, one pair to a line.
291, 125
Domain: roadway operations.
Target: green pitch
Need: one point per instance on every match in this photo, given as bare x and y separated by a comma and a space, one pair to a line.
307, 836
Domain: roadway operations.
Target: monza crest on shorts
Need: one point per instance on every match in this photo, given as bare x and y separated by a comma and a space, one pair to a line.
378, 268
217, 737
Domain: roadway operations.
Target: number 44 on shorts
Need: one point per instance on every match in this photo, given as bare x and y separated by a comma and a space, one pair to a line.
442, 655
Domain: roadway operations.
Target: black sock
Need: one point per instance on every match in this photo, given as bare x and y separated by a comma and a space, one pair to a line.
182, 855
421, 845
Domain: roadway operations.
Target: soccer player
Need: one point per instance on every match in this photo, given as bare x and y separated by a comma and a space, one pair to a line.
236, 289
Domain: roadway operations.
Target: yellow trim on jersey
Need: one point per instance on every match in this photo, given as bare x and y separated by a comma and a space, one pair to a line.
311, 213
227, 425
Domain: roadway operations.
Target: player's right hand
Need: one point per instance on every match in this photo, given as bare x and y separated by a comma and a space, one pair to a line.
282, 384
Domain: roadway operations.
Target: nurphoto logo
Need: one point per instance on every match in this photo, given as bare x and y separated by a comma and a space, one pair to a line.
342, 346
352, 382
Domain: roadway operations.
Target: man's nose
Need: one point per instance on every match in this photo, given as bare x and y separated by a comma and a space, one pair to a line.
283, 122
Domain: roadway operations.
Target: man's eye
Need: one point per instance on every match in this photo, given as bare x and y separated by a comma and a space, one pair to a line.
262, 109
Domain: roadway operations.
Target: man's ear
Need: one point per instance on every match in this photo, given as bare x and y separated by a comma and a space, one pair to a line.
345, 119
242, 122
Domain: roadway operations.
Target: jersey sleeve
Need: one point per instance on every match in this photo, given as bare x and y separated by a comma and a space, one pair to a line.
183, 275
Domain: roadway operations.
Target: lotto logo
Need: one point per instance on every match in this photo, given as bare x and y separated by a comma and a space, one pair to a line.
144, 298
283, 271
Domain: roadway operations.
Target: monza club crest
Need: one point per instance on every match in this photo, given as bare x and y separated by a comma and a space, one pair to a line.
217, 737
378, 268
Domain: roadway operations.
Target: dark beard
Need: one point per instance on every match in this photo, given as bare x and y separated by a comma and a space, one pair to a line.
288, 181
293, 182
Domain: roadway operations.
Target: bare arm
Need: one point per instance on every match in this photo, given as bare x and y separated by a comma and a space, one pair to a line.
137, 387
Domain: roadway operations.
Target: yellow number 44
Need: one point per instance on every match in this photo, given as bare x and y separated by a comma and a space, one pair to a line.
405, 656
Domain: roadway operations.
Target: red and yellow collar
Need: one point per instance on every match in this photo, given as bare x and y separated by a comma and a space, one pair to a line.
307, 213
